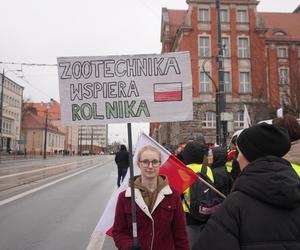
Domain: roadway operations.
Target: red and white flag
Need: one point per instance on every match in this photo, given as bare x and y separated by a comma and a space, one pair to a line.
247, 119
179, 176
166, 92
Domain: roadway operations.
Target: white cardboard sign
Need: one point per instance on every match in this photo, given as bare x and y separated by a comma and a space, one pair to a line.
125, 89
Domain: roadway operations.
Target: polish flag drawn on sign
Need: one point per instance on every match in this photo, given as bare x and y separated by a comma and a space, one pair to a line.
167, 92
179, 176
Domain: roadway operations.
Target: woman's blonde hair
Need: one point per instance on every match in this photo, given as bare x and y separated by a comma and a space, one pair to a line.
148, 148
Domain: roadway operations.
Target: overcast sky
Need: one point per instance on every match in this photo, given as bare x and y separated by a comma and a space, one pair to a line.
39, 31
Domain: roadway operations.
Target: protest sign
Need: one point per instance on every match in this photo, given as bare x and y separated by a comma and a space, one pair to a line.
125, 89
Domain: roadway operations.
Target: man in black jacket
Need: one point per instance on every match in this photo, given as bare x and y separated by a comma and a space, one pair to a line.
263, 211
122, 161
222, 178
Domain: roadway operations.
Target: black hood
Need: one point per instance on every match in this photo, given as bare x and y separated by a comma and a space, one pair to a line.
219, 157
194, 152
272, 180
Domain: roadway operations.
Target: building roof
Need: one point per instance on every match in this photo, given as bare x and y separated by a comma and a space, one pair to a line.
287, 23
53, 110
12, 81
33, 121
280, 26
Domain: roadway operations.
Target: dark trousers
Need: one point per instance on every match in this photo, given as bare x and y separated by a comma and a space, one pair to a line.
121, 175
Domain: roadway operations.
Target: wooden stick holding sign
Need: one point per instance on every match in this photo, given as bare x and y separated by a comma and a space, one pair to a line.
135, 244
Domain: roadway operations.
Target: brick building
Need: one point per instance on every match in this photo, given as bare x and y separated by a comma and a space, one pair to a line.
54, 116
33, 132
67, 139
261, 63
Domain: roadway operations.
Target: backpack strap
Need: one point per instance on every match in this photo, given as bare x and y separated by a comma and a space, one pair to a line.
203, 170
187, 205
207, 173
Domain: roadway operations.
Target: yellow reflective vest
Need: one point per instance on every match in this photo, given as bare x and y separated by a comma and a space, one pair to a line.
229, 166
196, 168
296, 167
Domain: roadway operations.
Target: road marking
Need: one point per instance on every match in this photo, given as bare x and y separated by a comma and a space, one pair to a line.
16, 197
97, 239
96, 242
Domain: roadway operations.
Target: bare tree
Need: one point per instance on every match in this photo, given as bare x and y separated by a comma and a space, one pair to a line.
291, 103
28, 107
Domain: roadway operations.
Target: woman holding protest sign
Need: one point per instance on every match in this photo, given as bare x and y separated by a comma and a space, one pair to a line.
159, 214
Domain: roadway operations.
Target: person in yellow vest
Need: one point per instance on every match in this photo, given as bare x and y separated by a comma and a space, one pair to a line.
263, 210
291, 124
193, 155
232, 163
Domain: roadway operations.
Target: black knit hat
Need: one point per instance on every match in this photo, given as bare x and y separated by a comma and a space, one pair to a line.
194, 152
263, 139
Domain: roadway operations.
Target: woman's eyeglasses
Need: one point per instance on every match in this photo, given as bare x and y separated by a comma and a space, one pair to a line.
154, 163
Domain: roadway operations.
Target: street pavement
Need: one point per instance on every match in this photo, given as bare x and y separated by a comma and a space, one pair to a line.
60, 216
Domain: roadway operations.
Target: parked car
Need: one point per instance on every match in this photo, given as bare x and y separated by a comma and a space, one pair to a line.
85, 152
20, 152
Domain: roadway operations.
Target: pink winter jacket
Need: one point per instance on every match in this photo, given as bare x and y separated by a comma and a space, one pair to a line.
164, 229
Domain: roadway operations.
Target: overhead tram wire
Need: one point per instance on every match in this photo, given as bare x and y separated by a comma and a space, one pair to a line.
30, 64
23, 75
145, 5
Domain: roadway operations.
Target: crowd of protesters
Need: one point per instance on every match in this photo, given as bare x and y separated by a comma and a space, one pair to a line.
259, 174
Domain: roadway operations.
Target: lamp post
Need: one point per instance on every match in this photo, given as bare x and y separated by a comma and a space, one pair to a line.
221, 126
79, 140
1, 110
92, 138
46, 128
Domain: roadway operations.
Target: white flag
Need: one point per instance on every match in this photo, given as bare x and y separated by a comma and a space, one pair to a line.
279, 112
247, 119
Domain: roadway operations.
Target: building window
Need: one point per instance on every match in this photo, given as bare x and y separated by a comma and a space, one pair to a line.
225, 46
242, 16
243, 47
238, 119
204, 46
205, 82
209, 120
279, 33
282, 52
227, 82
224, 17
283, 76
244, 82
204, 15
